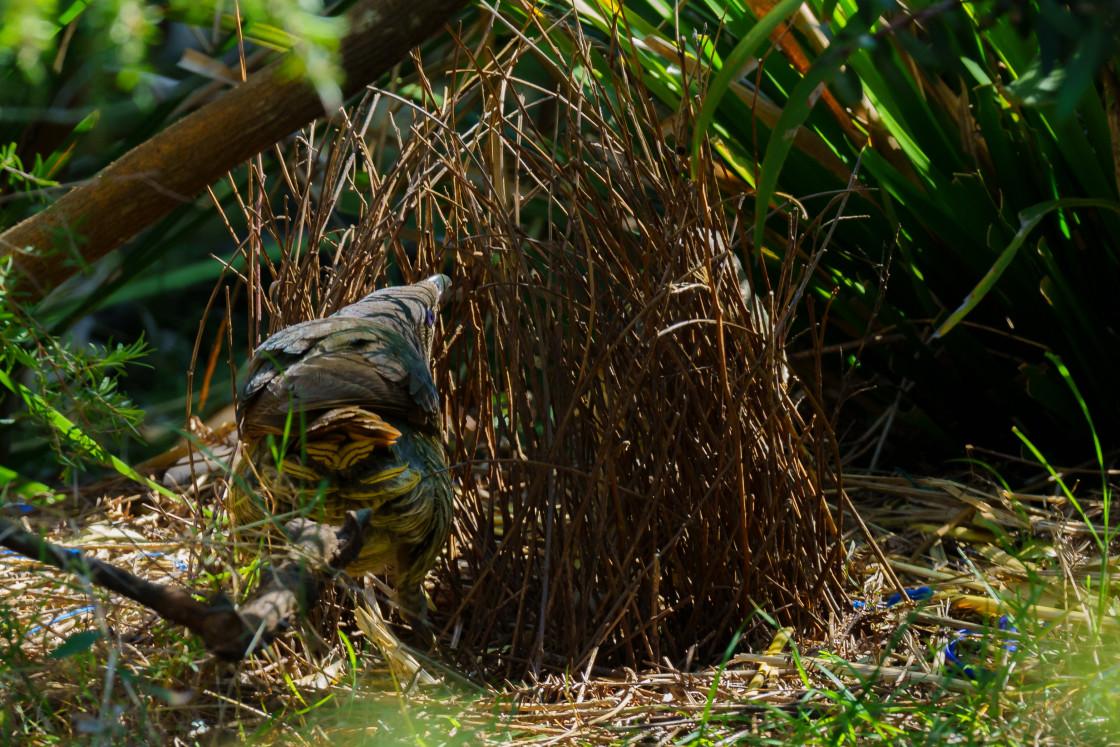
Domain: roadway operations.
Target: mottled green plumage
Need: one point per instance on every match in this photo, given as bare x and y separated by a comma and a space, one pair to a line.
340, 414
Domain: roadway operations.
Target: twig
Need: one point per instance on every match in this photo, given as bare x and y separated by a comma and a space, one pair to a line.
229, 633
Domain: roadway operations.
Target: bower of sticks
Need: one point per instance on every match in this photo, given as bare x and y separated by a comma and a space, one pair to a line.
634, 479
640, 477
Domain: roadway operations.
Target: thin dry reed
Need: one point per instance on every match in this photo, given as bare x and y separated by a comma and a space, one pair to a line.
634, 479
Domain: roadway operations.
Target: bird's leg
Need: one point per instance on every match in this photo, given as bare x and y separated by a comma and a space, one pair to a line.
418, 623
411, 598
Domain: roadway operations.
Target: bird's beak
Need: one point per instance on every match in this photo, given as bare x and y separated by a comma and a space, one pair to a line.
442, 282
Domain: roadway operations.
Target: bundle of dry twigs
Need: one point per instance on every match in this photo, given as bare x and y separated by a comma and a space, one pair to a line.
634, 478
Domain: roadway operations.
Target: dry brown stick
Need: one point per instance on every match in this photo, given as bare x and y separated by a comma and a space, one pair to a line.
228, 633
172, 167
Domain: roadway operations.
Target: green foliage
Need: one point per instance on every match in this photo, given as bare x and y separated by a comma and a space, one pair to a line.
80, 84
977, 140
36, 38
67, 392
1075, 40
16, 176
78, 381
25, 35
78, 643
1104, 536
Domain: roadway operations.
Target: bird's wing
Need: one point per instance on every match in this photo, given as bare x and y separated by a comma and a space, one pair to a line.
334, 362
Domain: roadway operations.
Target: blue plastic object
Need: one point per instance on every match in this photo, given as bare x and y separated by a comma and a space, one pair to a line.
953, 657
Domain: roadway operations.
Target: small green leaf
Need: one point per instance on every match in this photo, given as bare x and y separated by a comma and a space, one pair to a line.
75, 10
89, 122
13, 481
978, 72
76, 644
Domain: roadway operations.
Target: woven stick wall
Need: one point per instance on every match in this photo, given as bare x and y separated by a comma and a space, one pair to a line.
634, 479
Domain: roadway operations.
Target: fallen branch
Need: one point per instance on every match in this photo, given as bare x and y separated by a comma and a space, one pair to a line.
318, 551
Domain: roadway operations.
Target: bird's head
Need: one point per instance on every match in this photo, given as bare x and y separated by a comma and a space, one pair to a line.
414, 307
430, 292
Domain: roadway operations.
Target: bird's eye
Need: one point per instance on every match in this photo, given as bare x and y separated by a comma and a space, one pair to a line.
431, 317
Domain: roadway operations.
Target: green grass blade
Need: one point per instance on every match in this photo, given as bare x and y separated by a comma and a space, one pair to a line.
1028, 221
734, 62
14, 482
793, 115
1068, 377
